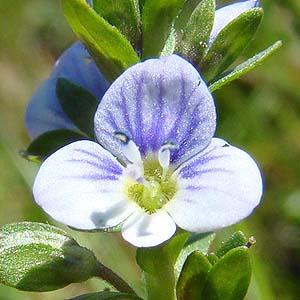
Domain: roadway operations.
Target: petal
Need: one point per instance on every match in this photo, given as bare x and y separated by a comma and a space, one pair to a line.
228, 13
77, 65
44, 112
216, 188
79, 185
156, 101
144, 230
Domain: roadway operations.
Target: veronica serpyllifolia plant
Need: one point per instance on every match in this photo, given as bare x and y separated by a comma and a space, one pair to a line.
157, 165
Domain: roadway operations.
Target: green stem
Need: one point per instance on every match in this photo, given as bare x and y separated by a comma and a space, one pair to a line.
112, 278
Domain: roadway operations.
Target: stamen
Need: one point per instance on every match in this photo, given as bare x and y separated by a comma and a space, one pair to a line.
164, 155
129, 148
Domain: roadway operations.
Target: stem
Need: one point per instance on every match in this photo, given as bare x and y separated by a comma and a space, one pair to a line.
112, 278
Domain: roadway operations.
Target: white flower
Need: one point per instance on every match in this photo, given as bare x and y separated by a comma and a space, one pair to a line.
157, 164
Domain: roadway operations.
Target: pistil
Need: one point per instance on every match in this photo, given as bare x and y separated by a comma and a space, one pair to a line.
149, 181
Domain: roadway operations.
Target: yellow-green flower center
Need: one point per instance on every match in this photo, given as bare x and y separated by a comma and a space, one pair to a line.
159, 187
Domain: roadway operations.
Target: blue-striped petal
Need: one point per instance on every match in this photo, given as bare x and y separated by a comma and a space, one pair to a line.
228, 13
44, 112
80, 186
216, 188
156, 101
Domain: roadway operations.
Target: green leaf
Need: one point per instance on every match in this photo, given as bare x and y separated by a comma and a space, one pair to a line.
158, 266
78, 104
170, 44
197, 31
230, 42
40, 257
244, 67
47, 143
185, 14
237, 239
157, 19
124, 14
196, 242
111, 51
106, 296
193, 276
141, 4
230, 277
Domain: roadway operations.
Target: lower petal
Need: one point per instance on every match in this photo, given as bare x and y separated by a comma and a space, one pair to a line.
216, 188
145, 230
79, 185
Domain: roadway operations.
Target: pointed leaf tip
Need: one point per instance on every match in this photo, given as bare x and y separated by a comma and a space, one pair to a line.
111, 51
244, 67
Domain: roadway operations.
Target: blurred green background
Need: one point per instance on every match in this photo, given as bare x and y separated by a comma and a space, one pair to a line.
260, 113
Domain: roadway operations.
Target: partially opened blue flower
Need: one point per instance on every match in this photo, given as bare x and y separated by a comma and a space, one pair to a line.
226, 14
44, 112
157, 165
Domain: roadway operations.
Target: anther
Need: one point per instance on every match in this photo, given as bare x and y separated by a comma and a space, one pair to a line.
164, 155
129, 148
251, 241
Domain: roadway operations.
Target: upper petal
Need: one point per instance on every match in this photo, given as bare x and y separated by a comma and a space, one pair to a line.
228, 13
144, 230
216, 188
156, 101
44, 112
80, 186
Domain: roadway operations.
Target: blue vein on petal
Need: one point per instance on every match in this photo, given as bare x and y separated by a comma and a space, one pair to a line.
157, 125
111, 120
94, 177
139, 121
115, 166
188, 137
108, 168
190, 173
125, 113
182, 108
201, 160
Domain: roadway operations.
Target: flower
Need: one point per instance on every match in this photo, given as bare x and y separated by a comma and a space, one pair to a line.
44, 112
226, 14
157, 165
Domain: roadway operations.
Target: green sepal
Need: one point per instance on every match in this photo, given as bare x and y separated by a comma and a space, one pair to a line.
212, 258
158, 266
78, 104
197, 31
237, 239
111, 51
40, 257
229, 278
106, 296
123, 14
193, 276
244, 67
230, 42
196, 242
48, 142
157, 19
